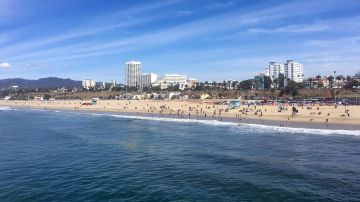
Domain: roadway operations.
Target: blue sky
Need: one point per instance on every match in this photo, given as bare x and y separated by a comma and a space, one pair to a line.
205, 39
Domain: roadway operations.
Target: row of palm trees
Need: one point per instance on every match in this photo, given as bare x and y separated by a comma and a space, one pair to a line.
219, 85
331, 80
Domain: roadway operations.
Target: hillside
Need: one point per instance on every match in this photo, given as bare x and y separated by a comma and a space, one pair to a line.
50, 82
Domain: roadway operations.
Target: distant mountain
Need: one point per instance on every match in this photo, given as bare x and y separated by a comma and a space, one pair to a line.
50, 82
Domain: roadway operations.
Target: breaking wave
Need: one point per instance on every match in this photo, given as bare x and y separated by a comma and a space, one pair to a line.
242, 126
6, 109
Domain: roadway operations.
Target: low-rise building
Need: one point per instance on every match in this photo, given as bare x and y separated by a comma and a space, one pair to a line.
204, 96
101, 85
311, 82
39, 98
191, 82
259, 81
171, 80
325, 82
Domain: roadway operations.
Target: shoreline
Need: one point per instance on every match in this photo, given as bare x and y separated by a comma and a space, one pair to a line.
240, 120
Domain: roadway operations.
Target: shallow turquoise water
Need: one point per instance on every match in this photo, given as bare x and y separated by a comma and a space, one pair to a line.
64, 156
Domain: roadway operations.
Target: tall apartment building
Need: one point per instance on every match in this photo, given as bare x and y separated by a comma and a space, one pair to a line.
274, 70
133, 74
147, 79
293, 71
88, 83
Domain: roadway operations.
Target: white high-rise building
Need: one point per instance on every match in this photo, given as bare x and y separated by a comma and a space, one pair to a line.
133, 74
88, 83
147, 79
274, 70
293, 71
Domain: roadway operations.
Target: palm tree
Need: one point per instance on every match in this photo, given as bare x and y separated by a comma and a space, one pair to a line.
213, 84
340, 77
224, 84
311, 82
234, 84
201, 86
318, 77
331, 81
228, 85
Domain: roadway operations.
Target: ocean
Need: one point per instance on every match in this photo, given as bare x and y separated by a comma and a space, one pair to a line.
70, 156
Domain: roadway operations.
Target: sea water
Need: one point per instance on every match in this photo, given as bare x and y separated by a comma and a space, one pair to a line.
75, 156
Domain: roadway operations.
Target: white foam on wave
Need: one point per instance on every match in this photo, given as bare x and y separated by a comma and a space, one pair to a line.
243, 126
266, 128
6, 109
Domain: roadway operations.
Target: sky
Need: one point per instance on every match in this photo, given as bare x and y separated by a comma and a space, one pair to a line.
210, 40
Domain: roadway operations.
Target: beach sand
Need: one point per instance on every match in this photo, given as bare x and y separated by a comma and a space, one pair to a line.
342, 117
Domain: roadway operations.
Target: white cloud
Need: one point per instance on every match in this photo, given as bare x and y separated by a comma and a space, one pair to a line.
196, 29
211, 25
34, 64
221, 5
343, 24
183, 12
5, 65
120, 19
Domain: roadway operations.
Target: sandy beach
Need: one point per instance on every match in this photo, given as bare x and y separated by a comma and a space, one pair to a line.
209, 109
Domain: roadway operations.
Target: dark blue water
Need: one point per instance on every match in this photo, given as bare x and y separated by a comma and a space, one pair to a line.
63, 156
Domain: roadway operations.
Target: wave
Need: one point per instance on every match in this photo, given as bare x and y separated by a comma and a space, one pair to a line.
242, 126
266, 129
6, 109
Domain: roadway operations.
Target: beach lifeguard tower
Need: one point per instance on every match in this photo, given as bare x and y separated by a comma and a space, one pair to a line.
234, 104
94, 101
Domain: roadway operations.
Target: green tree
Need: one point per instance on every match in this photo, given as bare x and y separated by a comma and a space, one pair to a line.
234, 84
46, 97
267, 82
156, 88
292, 88
281, 80
246, 84
351, 84
214, 84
